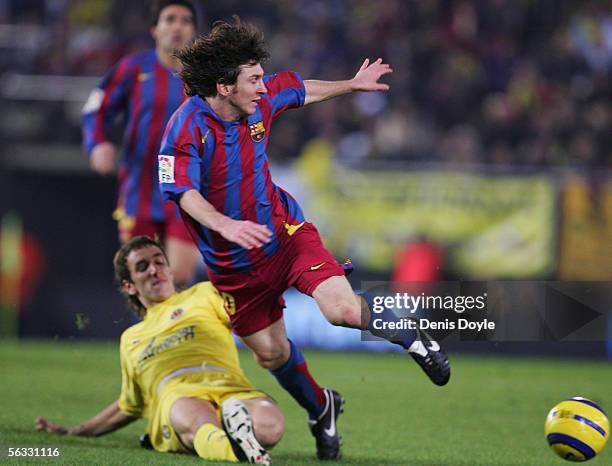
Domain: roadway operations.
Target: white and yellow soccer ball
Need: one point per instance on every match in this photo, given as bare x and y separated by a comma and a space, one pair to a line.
577, 429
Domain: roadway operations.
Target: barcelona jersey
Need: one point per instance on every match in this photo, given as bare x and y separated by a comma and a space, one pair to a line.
184, 341
147, 94
227, 163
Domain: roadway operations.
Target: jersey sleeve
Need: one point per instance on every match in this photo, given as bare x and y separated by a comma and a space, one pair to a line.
285, 90
130, 399
104, 103
179, 161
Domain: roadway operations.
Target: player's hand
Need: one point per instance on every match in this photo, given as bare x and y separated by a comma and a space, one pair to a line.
102, 159
368, 75
245, 233
43, 424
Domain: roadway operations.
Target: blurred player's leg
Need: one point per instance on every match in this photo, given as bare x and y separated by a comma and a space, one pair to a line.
183, 257
182, 252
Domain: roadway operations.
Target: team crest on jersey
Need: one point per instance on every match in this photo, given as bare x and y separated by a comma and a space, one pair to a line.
177, 313
165, 168
258, 132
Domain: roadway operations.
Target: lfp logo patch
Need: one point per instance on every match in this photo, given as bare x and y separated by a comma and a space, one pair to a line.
177, 313
258, 132
165, 167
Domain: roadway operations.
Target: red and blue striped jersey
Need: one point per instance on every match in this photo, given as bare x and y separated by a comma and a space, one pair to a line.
227, 163
147, 93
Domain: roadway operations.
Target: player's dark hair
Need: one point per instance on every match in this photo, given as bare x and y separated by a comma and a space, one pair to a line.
122, 271
217, 56
158, 5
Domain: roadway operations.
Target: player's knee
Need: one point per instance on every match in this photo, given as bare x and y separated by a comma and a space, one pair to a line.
272, 357
270, 426
348, 314
272, 434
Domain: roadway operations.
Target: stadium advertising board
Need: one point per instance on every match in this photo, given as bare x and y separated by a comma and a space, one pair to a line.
491, 225
586, 230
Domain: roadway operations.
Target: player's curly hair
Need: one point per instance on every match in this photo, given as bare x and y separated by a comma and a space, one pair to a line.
122, 272
217, 56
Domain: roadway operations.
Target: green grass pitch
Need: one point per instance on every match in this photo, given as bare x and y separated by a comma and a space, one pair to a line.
491, 413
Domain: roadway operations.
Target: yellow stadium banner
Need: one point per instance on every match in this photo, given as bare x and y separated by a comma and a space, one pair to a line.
491, 226
586, 230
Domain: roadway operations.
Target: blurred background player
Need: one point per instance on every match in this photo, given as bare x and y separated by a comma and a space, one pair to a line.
252, 234
180, 369
146, 89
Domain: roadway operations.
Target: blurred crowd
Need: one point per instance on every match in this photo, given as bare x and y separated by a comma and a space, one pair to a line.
499, 82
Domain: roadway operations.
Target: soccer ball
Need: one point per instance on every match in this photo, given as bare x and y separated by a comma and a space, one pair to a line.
577, 429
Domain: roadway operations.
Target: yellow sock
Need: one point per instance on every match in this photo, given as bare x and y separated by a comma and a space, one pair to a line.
211, 443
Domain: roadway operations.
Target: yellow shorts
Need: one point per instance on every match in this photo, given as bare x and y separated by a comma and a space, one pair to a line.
160, 428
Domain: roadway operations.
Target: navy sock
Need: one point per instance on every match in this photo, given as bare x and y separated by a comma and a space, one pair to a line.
294, 377
403, 337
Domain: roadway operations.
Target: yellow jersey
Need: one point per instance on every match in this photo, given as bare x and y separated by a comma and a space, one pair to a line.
183, 341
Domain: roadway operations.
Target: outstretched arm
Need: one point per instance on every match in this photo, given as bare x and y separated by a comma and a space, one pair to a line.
366, 79
109, 419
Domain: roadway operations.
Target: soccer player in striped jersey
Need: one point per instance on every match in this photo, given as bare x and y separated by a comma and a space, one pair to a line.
144, 87
252, 234
180, 369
